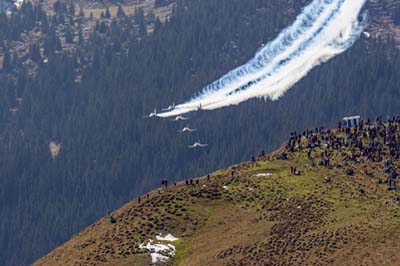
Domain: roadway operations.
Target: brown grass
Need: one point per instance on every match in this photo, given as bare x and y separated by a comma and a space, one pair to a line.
275, 220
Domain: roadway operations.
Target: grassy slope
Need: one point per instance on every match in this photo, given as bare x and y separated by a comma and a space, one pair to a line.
258, 220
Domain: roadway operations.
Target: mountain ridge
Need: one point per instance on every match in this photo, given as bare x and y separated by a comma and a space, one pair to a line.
326, 197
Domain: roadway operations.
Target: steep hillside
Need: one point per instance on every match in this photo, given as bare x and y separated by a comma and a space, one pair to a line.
71, 23
327, 197
385, 18
385, 22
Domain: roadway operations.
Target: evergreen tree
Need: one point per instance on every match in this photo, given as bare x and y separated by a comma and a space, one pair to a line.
107, 14
59, 7
7, 63
81, 11
120, 12
140, 21
71, 9
69, 38
14, 61
34, 52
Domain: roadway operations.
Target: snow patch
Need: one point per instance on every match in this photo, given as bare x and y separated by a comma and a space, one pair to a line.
263, 174
160, 252
168, 237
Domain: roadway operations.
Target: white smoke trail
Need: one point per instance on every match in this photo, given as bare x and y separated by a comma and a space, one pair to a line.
323, 30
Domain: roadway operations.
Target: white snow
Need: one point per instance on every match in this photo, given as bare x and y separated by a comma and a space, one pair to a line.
263, 174
160, 252
168, 237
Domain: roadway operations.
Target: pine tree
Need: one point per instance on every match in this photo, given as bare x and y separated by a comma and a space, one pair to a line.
69, 38
14, 61
80, 36
120, 12
107, 14
140, 21
81, 11
57, 44
7, 63
34, 52
71, 9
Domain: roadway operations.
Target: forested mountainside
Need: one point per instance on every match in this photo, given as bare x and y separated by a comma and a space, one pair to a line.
73, 141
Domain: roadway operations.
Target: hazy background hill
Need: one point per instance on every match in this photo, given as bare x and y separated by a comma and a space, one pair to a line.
83, 84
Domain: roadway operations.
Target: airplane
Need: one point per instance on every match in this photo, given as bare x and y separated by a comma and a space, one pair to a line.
169, 108
197, 145
187, 129
153, 114
179, 117
13, 110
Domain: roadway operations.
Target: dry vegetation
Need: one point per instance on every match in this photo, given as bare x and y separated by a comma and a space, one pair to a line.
382, 23
129, 6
